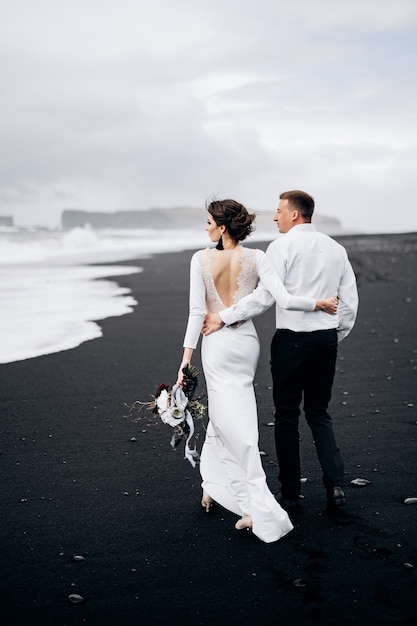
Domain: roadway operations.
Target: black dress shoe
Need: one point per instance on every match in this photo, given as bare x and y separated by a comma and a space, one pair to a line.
289, 505
335, 497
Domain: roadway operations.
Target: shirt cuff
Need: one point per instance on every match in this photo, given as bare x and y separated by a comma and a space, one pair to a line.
227, 316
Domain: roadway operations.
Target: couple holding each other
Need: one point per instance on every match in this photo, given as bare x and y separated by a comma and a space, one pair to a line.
230, 284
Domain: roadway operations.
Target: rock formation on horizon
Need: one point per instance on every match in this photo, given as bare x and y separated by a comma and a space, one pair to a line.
6, 220
175, 218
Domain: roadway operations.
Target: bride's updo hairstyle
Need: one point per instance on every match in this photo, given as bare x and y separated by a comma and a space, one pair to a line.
233, 215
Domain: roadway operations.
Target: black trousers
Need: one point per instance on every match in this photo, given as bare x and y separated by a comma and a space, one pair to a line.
304, 363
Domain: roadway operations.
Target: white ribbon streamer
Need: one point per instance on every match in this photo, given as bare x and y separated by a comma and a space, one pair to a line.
191, 455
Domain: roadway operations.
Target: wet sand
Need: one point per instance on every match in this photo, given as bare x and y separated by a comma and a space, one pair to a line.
78, 478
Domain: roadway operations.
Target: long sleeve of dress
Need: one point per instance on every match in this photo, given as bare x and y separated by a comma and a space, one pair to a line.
198, 308
270, 289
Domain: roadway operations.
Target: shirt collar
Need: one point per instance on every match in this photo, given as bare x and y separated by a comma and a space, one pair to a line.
306, 227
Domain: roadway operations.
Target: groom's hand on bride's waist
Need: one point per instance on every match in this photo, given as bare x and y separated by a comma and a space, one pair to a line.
212, 322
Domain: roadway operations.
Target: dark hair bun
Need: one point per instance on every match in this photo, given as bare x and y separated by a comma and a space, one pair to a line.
233, 215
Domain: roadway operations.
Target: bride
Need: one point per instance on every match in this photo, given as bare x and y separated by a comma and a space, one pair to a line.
231, 467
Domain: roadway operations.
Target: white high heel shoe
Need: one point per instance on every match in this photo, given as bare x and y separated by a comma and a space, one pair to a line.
245, 522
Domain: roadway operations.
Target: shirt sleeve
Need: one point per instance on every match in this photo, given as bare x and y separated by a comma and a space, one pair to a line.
270, 289
198, 308
273, 283
250, 306
348, 302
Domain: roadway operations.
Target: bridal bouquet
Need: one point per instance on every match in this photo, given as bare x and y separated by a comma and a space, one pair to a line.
177, 408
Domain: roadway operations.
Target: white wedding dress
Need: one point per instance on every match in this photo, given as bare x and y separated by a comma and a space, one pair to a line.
231, 467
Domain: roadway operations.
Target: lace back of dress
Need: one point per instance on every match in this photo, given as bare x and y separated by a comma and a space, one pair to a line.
247, 279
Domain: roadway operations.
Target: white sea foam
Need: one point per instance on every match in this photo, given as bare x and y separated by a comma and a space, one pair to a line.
51, 298
49, 309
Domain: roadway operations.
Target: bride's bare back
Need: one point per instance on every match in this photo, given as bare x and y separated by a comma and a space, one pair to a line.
225, 267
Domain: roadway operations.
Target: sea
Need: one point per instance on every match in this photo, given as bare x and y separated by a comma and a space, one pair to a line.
56, 286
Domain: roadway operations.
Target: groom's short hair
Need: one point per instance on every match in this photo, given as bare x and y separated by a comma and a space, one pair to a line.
301, 201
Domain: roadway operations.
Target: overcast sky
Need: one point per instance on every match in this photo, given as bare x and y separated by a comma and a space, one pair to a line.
131, 104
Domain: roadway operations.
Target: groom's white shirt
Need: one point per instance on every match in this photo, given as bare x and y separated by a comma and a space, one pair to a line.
310, 264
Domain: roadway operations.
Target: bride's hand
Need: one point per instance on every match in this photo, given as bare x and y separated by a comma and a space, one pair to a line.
212, 322
329, 305
180, 378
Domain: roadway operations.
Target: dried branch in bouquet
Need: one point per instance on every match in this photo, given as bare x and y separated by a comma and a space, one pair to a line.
175, 406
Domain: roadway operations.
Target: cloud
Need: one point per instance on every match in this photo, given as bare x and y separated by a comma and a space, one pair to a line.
110, 105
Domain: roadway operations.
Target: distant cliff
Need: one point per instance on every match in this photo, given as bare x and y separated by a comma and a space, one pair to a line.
150, 218
6, 220
176, 218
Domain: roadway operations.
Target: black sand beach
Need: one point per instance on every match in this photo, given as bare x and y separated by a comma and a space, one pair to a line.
80, 479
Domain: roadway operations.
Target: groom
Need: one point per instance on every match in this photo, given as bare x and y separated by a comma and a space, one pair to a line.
304, 346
